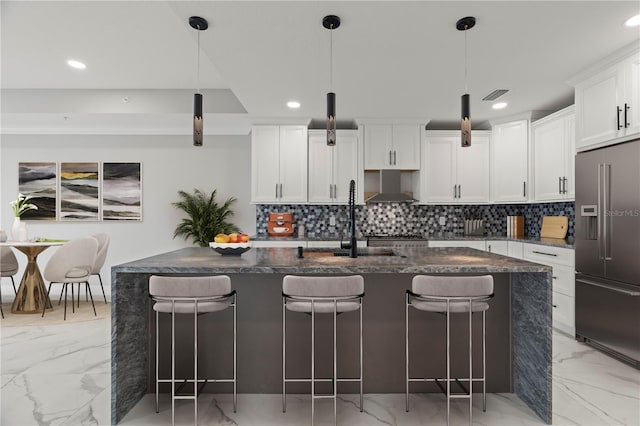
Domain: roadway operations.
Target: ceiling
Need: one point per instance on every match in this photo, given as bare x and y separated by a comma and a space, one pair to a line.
391, 60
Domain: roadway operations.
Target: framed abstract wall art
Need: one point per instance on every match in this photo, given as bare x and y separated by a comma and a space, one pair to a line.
39, 180
79, 191
122, 191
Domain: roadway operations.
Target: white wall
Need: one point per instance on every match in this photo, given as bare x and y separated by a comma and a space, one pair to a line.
169, 164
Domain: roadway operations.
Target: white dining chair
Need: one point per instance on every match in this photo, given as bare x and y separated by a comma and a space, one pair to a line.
8, 268
72, 263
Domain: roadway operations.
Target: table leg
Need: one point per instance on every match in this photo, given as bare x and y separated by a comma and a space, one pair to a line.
32, 293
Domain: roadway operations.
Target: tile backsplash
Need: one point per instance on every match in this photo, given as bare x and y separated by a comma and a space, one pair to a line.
400, 218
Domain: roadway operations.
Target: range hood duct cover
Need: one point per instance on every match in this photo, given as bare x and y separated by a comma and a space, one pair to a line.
390, 184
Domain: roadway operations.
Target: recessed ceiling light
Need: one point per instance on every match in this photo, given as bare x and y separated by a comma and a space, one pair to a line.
634, 21
76, 64
293, 104
499, 105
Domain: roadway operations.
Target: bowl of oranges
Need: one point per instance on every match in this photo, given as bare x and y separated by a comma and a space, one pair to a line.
233, 244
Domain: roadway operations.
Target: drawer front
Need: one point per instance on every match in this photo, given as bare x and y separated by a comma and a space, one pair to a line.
564, 280
548, 255
564, 313
480, 245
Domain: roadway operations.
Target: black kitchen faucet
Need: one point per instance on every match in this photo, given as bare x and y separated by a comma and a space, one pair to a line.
352, 245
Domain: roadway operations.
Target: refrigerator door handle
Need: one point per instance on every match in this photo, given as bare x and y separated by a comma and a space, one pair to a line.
609, 287
600, 212
607, 211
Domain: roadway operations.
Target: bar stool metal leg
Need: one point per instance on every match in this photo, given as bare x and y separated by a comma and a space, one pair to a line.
406, 350
361, 369
173, 363
235, 354
313, 362
195, 364
157, 367
335, 364
470, 364
484, 363
284, 355
448, 366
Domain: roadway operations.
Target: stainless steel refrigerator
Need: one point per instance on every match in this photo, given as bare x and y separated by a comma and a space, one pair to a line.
607, 248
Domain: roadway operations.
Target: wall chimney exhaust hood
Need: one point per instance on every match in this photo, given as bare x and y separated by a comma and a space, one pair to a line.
390, 192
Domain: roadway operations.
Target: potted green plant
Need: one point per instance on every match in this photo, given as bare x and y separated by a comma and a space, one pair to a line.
206, 218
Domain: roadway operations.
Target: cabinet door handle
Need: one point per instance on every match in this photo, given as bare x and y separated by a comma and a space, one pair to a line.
555, 306
618, 111
564, 185
455, 191
276, 190
546, 254
489, 248
390, 158
280, 190
335, 191
395, 157
524, 189
459, 191
626, 109
559, 185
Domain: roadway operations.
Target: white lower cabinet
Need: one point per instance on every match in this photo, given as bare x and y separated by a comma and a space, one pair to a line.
562, 261
498, 247
515, 249
479, 245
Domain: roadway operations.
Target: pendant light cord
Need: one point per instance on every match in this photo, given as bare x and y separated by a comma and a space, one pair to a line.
466, 89
198, 63
331, 58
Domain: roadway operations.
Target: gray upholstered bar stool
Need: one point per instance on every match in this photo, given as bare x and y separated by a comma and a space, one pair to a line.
195, 296
321, 295
448, 295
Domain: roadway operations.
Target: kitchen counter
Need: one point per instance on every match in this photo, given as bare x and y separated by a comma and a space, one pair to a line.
554, 242
518, 323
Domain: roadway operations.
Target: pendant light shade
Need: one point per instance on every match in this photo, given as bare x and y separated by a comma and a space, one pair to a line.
465, 125
197, 119
331, 119
465, 24
198, 24
331, 22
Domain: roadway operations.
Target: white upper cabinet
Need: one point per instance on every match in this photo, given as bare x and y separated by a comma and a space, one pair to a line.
331, 168
607, 100
509, 159
279, 164
453, 174
389, 146
553, 145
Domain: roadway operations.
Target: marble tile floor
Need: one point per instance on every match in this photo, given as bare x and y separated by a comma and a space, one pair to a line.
59, 375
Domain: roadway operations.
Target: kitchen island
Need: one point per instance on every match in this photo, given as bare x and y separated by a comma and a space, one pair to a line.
518, 323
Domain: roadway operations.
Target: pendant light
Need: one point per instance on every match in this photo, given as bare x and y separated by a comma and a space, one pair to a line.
198, 24
465, 24
331, 22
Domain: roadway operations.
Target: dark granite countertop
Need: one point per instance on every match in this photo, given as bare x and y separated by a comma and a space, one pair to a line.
284, 260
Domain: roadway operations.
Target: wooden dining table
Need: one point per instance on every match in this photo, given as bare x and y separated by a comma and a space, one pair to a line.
32, 295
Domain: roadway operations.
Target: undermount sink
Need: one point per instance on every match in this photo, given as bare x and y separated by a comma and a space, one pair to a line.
365, 251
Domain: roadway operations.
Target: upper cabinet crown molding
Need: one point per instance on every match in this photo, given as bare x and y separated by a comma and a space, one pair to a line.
607, 62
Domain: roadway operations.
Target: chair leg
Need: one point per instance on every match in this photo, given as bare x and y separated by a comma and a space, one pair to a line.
361, 367
406, 351
73, 307
157, 367
173, 366
60, 299
14, 285
313, 363
65, 299
235, 354
335, 364
484, 364
448, 369
1, 311
195, 363
102, 287
284, 356
470, 364
91, 297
